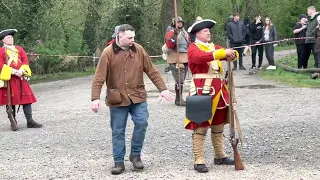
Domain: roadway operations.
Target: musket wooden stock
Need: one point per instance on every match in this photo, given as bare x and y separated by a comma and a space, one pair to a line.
9, 110
13, 122
234, 142
238, 164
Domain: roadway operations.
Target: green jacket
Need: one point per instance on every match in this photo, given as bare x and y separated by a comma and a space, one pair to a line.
311, 29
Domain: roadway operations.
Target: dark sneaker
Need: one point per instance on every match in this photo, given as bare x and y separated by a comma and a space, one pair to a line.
201, 168
224, 161
117, 169
136, 162
234, 69
242, 68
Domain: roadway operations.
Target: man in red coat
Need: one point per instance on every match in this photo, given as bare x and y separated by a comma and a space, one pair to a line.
208, 83
14, 68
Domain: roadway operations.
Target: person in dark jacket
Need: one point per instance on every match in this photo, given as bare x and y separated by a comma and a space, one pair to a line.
311, 32
256, 29
299, 31
236, 34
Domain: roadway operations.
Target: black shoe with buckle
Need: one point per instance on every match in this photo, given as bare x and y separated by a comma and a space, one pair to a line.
201, 168
136, 162
224, 161
117, 169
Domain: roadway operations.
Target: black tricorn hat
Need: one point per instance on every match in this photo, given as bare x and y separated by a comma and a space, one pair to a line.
7, 32
199, 25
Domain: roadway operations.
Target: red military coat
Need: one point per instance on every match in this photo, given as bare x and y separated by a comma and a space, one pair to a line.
201, 56
111, 41
21, 92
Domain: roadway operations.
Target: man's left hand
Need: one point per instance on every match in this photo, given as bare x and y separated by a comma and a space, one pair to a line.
167, 95
18, 73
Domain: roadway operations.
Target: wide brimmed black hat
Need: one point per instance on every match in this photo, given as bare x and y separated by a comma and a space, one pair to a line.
199, 25
7, 32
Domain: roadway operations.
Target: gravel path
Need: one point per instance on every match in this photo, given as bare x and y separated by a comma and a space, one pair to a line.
281, 138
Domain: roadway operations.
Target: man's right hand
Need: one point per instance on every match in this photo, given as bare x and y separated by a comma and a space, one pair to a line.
95, 105
231, 53
304, 27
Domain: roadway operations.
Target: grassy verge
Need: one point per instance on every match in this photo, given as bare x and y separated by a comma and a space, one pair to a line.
291, 78
59, 76
284, 46
158, 61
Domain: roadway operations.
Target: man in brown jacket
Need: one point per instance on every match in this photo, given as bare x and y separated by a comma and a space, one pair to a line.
121, 66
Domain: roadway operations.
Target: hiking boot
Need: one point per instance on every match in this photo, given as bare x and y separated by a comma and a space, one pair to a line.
117, 169
136, 162
201, 168
224, 161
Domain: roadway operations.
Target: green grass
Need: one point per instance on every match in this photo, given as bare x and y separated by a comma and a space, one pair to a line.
35, 79
158, 61
284, 46
291, 78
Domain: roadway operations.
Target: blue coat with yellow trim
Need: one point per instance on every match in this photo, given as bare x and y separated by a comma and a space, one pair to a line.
21, 92
201, 57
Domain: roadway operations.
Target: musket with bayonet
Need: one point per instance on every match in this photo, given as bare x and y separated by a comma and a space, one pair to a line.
234, 117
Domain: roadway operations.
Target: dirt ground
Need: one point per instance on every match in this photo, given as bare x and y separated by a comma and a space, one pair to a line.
280, 125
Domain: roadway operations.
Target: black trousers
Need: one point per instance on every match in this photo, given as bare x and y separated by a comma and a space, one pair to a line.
302, 58
311, 47
240, 51
254, 54
269, 49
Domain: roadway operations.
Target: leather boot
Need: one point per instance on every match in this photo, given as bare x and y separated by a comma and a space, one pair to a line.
28, 114
178, 96
117, 169
136, 162
217, 142
198, 138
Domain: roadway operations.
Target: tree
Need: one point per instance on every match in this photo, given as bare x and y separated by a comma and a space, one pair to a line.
93, 19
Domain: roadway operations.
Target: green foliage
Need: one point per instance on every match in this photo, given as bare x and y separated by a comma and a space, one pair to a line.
48, 64
291, 78
84, 27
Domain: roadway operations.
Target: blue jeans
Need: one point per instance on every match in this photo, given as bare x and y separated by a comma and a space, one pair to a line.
119, 115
